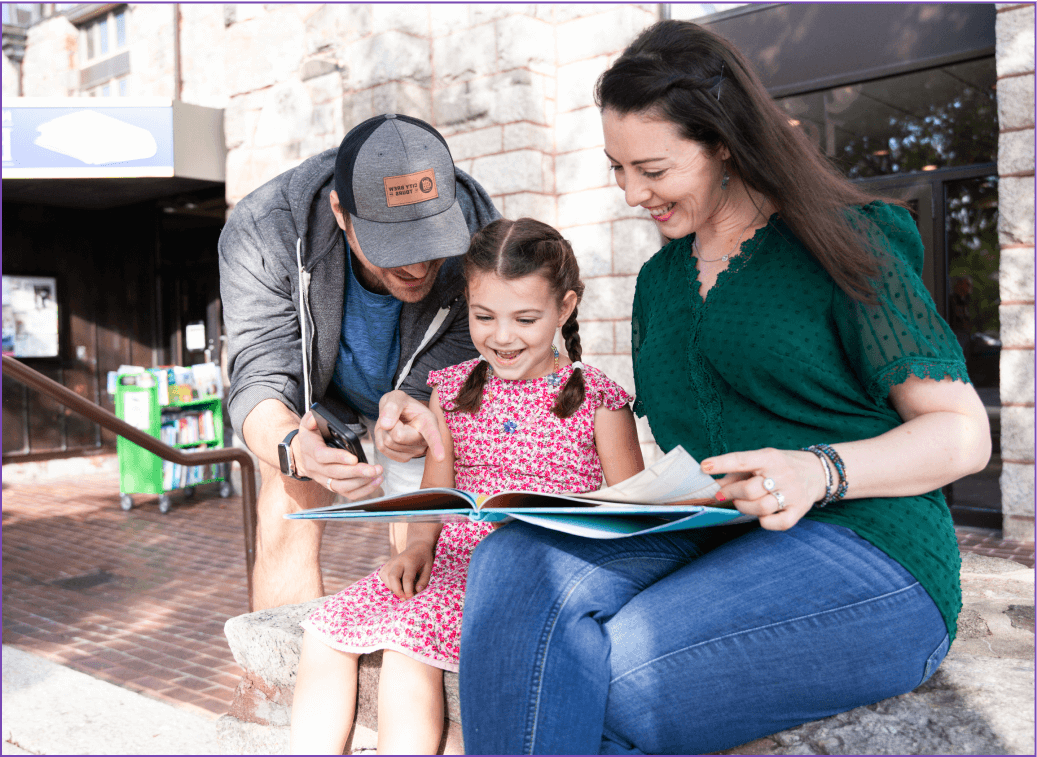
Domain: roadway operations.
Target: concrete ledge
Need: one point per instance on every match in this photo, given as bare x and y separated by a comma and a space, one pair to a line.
980, 701
51, 709
62, 467
267, 645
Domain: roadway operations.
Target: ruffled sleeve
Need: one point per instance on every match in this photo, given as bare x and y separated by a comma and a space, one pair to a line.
448, 381
601, 391
902, 335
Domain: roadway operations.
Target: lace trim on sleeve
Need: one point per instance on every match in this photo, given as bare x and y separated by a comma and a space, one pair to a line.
924, 368
902, 334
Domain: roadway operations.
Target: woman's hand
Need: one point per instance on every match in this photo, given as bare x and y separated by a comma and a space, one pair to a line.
407, 573
777, 486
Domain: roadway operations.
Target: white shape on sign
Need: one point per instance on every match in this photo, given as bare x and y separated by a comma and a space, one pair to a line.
95, 138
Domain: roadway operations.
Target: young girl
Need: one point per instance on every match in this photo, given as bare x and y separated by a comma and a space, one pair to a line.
522, 416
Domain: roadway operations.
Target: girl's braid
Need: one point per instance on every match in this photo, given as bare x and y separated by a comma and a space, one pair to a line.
573, 393
469, 399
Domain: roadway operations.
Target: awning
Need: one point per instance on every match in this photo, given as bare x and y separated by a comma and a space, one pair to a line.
103, 152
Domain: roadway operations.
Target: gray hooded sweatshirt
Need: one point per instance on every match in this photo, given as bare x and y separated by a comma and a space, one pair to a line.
282, 279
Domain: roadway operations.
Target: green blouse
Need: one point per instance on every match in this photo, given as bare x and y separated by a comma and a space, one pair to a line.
778, 356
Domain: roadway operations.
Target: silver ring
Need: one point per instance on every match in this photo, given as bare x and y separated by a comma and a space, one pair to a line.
780, 499
768, 484
329, 482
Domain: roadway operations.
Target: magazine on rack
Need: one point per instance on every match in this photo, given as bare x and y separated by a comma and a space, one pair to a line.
672, 494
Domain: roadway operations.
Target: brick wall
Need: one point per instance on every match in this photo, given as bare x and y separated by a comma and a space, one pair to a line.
1015, 100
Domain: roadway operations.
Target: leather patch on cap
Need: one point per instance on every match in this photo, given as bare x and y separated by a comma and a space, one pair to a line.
410, 188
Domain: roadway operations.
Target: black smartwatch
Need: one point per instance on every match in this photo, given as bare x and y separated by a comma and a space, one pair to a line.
284, 456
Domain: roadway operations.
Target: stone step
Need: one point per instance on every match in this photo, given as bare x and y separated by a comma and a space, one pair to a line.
980, 700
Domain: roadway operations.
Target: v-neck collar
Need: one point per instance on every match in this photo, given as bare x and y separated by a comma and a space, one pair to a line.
736, 263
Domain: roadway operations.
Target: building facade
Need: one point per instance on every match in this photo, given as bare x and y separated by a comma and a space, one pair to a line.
510, 87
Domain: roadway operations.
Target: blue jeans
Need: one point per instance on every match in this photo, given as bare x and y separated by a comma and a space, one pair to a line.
682, 644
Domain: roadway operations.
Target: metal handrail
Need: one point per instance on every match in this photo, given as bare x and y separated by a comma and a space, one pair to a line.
34, 379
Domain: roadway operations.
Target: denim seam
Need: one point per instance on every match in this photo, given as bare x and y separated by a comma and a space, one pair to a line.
768, 625
549, 628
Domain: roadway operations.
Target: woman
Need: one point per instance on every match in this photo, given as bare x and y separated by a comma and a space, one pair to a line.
786, 314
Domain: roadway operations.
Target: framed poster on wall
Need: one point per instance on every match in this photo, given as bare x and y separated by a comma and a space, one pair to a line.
31, 325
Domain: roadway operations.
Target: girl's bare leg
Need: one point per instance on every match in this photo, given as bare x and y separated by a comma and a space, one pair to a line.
325, 698
410, 706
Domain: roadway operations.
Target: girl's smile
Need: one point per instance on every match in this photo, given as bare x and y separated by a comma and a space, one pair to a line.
513, 323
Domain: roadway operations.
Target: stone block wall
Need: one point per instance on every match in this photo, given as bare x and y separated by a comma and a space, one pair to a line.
150, 41
509, 86
1015, 100
10, 76
203, 55
611, 239
50, 66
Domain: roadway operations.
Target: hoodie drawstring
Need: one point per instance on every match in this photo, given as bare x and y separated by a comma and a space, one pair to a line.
304, 286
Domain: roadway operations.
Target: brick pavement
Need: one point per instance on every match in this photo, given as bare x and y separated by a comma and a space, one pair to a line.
984, 541
139, 598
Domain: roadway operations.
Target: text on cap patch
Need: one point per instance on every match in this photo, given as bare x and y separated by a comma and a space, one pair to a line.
410, 188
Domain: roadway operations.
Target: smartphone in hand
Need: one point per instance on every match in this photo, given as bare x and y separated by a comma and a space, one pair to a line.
336, 433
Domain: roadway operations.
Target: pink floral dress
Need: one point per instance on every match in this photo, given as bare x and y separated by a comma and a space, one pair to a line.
513, 442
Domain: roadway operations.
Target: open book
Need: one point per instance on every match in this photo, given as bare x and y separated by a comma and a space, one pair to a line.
672, 494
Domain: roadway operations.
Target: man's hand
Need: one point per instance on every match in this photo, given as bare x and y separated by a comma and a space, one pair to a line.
408, 573
333, 468
406, 428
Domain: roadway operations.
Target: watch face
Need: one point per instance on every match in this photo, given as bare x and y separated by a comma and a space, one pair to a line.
282, 457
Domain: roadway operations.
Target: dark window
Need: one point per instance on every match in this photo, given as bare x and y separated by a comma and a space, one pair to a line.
939, 118
973, 260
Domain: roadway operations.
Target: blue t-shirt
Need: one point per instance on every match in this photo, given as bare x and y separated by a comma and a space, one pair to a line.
369, 346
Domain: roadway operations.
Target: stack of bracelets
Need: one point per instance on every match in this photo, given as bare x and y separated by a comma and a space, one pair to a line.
829, 457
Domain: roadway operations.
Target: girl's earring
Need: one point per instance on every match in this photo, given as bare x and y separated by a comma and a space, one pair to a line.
725, 180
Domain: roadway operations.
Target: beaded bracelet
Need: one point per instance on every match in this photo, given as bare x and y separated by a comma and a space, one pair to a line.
828, 479
828, 455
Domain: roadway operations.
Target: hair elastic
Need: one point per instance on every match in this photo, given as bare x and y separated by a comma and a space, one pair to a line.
577, 364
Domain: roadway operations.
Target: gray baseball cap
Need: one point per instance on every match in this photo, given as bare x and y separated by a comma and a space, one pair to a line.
395, 177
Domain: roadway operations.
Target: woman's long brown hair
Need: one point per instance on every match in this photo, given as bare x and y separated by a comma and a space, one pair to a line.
514, 250
702, 84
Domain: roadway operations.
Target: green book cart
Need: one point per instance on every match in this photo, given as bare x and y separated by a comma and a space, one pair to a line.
194, 424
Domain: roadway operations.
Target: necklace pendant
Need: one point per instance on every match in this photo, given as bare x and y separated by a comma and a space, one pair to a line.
725, 257
554, 380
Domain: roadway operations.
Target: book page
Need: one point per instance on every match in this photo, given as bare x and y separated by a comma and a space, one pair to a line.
423, 499
676, 478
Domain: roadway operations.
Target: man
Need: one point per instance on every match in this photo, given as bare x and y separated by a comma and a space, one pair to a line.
360, 338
